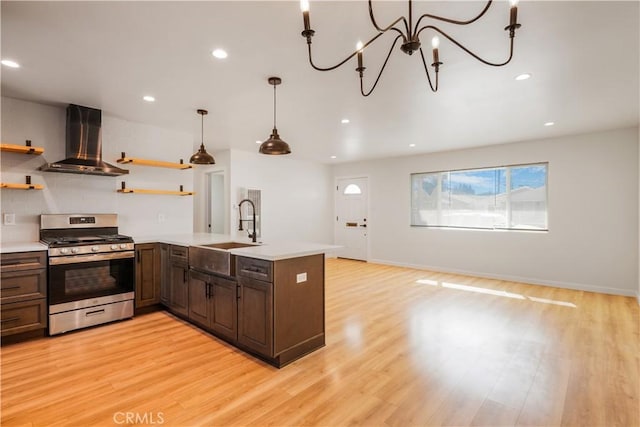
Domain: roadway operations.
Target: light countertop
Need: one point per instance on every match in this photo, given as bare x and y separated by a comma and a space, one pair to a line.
22, 247
271, 251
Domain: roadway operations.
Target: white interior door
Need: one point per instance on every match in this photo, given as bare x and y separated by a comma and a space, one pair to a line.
351, 218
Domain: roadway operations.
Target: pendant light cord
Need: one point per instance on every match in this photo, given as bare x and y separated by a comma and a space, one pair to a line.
202, 129
274, 106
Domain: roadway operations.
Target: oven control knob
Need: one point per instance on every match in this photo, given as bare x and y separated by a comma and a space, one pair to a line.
94, 249
114, 247
75, 250
123, 246
64, 251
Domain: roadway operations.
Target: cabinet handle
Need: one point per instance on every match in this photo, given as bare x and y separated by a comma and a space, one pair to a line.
10, 287
138, 256
11, 319
238, 292
207, 290
184, 274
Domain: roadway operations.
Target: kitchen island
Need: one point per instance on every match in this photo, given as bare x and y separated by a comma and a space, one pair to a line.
266, 299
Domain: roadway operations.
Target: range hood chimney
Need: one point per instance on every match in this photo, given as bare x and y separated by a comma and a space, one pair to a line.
84, 145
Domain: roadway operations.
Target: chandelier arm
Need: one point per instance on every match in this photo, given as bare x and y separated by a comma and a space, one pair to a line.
426, 70
390, 27
454, 21
381, 70
454, 41
348, 57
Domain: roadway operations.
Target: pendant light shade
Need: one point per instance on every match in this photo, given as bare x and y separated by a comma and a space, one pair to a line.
274, 145
201, 157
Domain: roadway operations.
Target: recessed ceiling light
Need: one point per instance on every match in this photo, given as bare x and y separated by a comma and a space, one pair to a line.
524, 76
344, 121
219, 53
549, 124
149, 98
258, 142
412, 145
333, 157
10, 63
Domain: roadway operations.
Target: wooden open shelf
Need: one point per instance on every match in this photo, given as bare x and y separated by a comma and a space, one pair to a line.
124, 189
27, 186
154, 163
22, 149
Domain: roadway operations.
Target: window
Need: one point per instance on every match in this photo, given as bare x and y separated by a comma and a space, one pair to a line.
507, 197
352, 189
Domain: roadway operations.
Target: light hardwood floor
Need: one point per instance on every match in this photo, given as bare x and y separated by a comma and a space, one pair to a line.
404, 347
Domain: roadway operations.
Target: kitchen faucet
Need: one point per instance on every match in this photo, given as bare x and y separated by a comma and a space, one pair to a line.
251, 235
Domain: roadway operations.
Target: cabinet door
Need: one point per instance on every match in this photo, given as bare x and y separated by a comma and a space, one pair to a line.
199, 299
165, 276
23, 316
255, 315
147, 275
179, 292
23, 285
224, 316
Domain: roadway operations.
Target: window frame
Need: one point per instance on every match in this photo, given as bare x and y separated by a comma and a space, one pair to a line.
507, 191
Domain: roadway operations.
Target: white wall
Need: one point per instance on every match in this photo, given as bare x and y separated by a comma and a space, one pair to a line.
593, 237
297, 201
70, 193
200, 177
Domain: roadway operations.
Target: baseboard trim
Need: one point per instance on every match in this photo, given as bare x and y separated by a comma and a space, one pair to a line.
527, 280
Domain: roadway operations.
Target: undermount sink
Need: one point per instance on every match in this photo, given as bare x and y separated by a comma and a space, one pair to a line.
219, 260
229, 245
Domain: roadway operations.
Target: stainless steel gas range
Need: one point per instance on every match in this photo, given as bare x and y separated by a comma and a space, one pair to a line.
91, 270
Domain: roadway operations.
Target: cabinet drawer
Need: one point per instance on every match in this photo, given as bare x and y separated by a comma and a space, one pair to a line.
23, 316
23, 261
179, 253
255, 268
23, 285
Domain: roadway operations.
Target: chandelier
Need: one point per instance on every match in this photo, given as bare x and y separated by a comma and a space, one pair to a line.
409, 37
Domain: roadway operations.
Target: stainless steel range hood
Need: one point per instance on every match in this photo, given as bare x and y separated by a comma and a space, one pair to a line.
84, 145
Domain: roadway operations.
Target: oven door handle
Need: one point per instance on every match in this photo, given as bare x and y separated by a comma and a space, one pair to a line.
74, 259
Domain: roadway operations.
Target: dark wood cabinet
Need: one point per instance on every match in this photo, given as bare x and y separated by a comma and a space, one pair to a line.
255, 315
199, 288
164, 273
213, 303
271, 309
23, 301
281, 307
177, 281
224, 317
148, 274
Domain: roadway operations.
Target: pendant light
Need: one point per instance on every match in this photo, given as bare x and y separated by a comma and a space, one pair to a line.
274, 145
201, 157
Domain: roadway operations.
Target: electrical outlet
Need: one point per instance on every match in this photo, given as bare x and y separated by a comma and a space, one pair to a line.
161, 217
301, 278
9, 219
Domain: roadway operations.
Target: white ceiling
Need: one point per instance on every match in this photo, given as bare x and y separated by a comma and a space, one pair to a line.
584, 58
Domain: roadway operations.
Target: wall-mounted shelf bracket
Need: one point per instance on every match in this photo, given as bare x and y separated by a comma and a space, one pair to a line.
181, 192
154, 163
27, 186
22, 149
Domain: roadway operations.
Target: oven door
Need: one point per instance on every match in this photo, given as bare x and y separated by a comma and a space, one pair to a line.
80, 277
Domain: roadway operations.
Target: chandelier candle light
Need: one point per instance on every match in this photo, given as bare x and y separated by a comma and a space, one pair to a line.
410, 36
